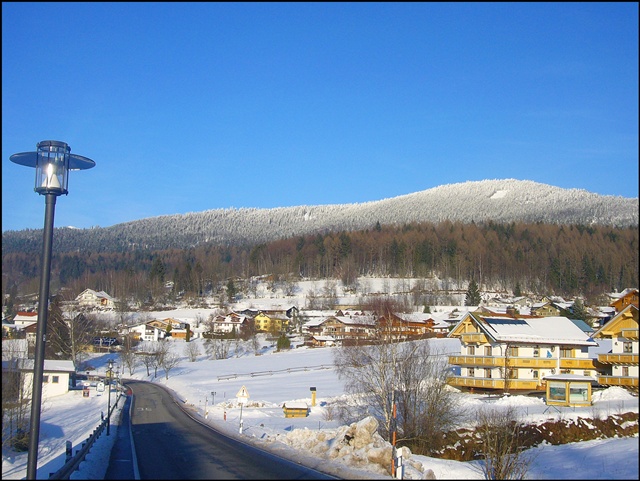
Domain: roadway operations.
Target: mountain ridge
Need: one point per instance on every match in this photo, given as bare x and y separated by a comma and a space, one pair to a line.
497, 200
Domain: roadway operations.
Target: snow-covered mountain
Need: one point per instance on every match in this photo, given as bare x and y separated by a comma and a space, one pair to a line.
501, 201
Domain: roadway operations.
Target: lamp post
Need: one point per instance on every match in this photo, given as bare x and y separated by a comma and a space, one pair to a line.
52, 162
109, 376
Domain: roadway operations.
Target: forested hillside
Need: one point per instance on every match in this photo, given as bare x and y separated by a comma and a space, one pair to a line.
536, 257
500, 201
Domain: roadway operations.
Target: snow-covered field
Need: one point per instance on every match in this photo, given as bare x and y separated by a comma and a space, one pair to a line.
274, 378
281, 377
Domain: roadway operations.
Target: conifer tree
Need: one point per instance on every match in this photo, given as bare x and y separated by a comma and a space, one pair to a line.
472, 298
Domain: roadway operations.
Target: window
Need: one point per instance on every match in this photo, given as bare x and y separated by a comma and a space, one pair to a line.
487, 350
566, 352
535, 375
472, 350
627, 348
557, 391
56, 379
536, 351
578, 392
625, 371
487, 373
472, 372
45, 378
512, 351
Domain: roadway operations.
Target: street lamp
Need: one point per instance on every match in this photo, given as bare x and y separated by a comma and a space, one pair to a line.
109, 376
52, 162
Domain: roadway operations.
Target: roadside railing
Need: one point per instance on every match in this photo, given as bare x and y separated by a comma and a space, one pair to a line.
72, 462
279, 371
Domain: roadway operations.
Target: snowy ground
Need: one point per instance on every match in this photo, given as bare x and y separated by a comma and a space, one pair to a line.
274, 378
280, 377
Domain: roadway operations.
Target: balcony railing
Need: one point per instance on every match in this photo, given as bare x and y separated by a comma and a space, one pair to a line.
468, 337
623, 359
522, 362
618, 381
486, 383
576, 363
630, 333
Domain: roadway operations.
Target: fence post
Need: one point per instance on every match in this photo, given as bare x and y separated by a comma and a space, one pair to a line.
69, 453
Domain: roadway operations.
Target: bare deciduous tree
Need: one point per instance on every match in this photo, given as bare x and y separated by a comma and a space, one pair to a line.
408, 374
192, 351
127, 354
503, 456
16, 396
169, 360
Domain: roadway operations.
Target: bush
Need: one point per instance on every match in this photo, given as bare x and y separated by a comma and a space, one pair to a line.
283, 343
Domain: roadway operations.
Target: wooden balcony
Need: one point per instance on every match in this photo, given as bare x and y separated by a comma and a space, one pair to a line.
480, 361
473, 337
523, 362
486, 383
575, 363
619, 359
630, 334
625, 381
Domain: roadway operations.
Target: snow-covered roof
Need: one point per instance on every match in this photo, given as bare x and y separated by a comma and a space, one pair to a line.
324, 338
542, 330
49, 365
357, 320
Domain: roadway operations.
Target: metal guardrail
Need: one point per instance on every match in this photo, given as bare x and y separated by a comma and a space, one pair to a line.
279, 371
72, 463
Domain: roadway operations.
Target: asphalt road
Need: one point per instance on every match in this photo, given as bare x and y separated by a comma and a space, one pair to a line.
169, 444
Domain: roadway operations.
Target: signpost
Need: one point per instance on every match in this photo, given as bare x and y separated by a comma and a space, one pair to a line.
243, 397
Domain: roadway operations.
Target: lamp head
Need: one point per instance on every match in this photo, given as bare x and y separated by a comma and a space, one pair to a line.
53, 161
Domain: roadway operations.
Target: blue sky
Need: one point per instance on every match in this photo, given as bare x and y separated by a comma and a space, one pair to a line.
187, 107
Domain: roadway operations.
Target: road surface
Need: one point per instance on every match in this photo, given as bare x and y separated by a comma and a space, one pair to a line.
169, 444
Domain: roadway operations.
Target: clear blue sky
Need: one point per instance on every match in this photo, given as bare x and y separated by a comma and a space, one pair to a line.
187, 107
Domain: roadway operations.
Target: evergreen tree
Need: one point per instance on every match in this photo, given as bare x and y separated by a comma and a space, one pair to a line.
231, 290
472, 298
517, 291
283, 342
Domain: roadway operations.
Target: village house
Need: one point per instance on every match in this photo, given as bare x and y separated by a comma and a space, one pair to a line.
270, 322
91, 299
623, 299
621, 364
232, 322
55, 380
356, 326
545, 309
145, 332
515, 354
405, 325
24, 319
172, 327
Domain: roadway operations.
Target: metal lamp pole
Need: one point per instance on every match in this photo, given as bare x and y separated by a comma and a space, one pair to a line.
52, 162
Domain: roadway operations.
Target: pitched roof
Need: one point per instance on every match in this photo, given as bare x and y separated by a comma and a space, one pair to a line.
543, 330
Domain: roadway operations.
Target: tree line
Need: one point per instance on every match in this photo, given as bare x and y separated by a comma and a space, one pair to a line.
567, 260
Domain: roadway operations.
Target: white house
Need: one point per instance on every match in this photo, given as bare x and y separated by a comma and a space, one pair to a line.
506, 353
229, 323
24, 319
95, 300
146, 332
55, 379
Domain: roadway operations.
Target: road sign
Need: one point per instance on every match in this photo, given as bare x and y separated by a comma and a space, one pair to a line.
243, 393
